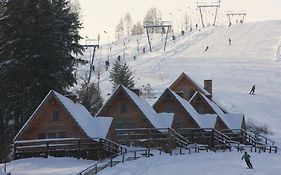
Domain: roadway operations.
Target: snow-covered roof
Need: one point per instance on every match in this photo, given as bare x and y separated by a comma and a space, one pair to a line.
94, 127
203, 120
232, 120
158, 120
199, 87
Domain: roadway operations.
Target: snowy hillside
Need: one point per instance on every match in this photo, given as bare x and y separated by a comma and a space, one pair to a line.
207, 163
49, 166
253, 58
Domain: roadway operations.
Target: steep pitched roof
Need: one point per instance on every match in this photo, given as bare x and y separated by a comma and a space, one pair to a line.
198, 87
158, 120
232, 120
203, 121
92, 127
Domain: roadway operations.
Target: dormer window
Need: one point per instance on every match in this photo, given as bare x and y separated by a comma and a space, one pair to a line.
56, 115
124, 107
170, 108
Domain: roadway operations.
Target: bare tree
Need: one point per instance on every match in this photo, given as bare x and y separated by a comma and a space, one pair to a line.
137, 29
119, 31
128, 21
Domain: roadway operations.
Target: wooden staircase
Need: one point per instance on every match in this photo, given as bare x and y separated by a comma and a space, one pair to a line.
246, 139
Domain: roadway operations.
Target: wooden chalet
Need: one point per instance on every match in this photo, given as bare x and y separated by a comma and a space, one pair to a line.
131, 112
61, 126
185, 115
204, 105
186, 87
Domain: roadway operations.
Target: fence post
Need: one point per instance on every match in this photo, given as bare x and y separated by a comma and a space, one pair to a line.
123, 157
47, 147
111, 161
96, 168
79, 148
213, 138
15, 148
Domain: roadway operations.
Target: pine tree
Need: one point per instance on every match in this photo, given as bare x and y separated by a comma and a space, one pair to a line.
38, 44
90, 96
121, 74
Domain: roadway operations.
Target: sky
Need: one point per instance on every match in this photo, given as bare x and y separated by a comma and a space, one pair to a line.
103, 15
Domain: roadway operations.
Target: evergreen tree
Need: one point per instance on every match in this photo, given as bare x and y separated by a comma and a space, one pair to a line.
38, 43
90, 96
121, 74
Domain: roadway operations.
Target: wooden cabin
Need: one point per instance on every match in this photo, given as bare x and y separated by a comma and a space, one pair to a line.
59, 120
185, 87
185, 115
129, 111
204, 105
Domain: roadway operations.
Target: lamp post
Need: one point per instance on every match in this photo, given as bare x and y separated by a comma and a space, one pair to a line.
108, 49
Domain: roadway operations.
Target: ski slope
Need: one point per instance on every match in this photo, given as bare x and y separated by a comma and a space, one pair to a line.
207, 163
253, 58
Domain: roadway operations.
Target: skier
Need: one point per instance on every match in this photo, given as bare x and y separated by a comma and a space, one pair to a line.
174, 38
119, 58
143, 49
196, 26
247, 157
253, 90
206, 48
229, 41
106, 65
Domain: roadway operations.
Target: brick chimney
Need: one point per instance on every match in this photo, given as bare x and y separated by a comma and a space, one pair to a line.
72, 97
208, 86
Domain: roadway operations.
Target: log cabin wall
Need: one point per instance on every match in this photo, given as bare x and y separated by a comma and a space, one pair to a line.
52, 121
125, 114
184, 86
181, 118
201, 106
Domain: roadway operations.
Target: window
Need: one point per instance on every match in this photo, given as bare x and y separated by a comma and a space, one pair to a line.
130, 125
62, 134
52, 135
124, 107
41, 136
56, 115
170, 108
201, 110
119, 125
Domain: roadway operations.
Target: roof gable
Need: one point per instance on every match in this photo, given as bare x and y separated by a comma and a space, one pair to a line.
184, 77
203, 121
79, 114
163, 120
231, 120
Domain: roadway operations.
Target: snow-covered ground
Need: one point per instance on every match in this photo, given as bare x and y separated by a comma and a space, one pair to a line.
253, 58
201, 164
49, 166
207, 163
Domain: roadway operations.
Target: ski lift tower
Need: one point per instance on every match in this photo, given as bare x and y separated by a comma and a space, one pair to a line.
237, 14
92, 43
162, 25
202, 5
